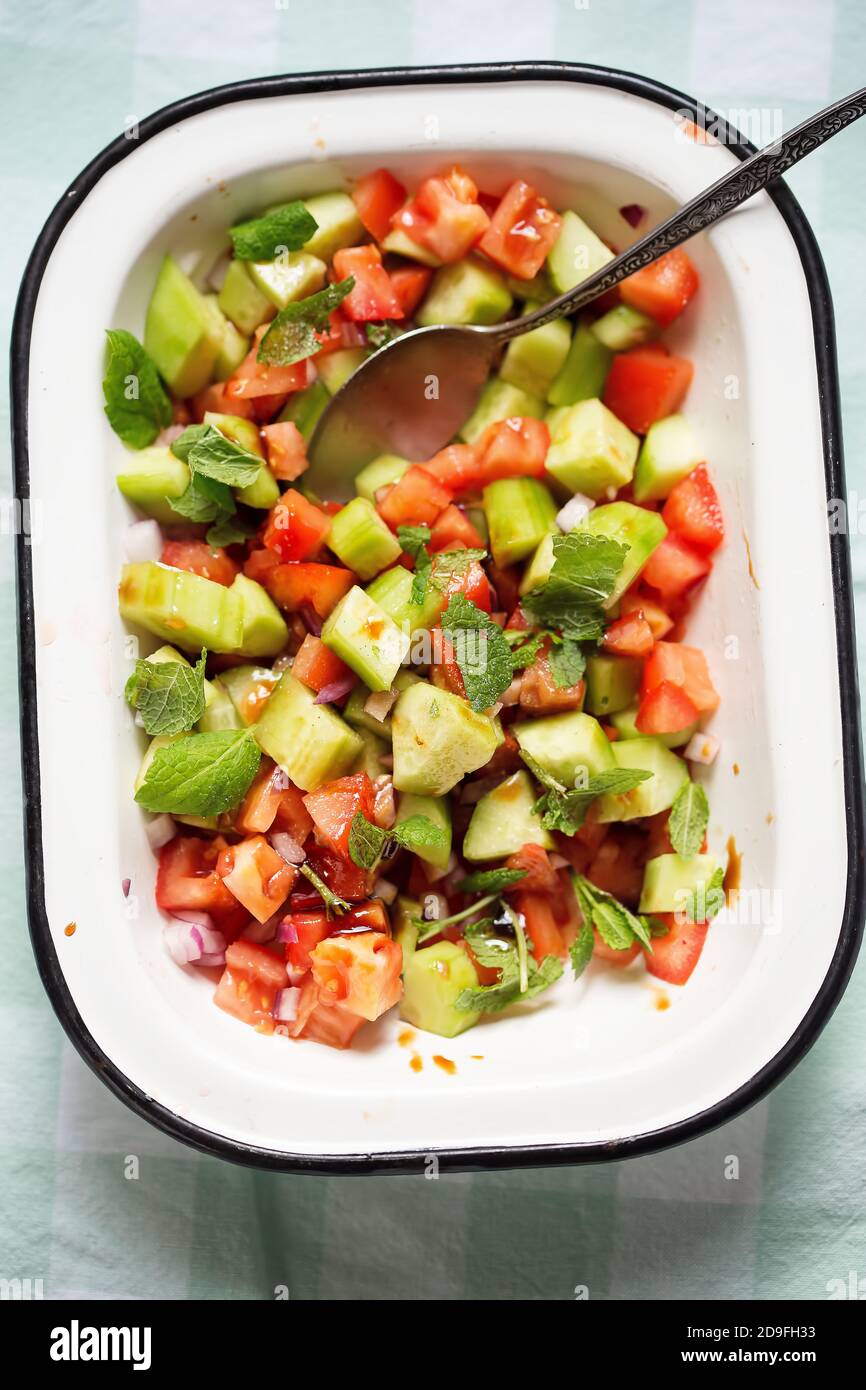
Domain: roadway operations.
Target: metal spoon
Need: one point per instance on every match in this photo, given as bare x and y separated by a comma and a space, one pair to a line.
411, 396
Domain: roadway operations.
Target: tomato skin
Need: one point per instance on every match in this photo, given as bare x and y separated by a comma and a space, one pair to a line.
359, 971
377, 196
259, 807
630, 635
452, 526
684, 666
635, 601
693, 512
187, 881
321, 1022
292, 815
372, 296
253, 379
339, 873
214, 398
249, 984
512, 448
675, 956
539, 691
257, 876
456, 467
316, 666
296, 585
662, 289
666, 709
444, 671
409, 283
286, 450
601, 951
522, 231
296, 529
417, 499
536, 910
474, 584
210, 562
646, 384
334, 806
540, 875
444, 216
675, 567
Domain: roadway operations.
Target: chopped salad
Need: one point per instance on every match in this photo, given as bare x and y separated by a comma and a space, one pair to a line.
432, 747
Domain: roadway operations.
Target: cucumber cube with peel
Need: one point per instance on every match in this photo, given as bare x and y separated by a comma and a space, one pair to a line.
310, 742
576, 254
234, 427
591, 451
338, 224
500, 400
503, 821
362, 540
668, 454
303, 408
612, 683
234, 346
466, 292
181, 608
265, 632
636, 527
366, 638
534, 361
623, 327
584, 370
392, 591
150, 478
335, 368
433, 980
380, 472
567, 746
249, 688
242, 301
520, 512
624, 723
295, 277
652, 796
373, 750
437, 738
670, 882
399, 243
435, 809
181, 331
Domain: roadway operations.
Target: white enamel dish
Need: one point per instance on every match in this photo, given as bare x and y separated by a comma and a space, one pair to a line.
595, 1069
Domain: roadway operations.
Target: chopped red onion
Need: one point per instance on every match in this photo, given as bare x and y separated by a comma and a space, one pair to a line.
287, 932
312, 619
286, 1004
159, 831
143, 541
125, 886
212, 959
384, 804
380, 703
335, 690
287, 847
191, 944
167, 436
280, 780
633, 213
296, 973
495, 709
386, 890
575, 512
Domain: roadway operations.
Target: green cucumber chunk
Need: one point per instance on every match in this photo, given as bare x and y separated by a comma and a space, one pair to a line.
577, 254
361, 539
623, 327
520, 512
624, 721
295, 277
237, 429
399, 243
500, 400
181, 331
435, 809
220, 712
668, 454
612, 682
590, 450
655, 794
669, 881
338, 224
241, 301
265, 632
584, 370
181, 608
534, 360
392, 591
437, 738
503, 822
639, 529
369, 759
567, 746
310, 742
335, 368
303, 408
249, 689
466, 292
150, 478
234, 346
380, 472
366, 638
433, 980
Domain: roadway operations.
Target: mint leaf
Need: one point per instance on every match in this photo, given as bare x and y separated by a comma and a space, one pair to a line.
136, 402
564, 808
500, 954
480, 651
585, 570
452, 564
704, 903
525, 655
226, 530
366, 841
419, 832
581, 949
169, 695
378, 334
567, 663
414, 540
333, 902
292, 334
204, 500
490, 880
617, 926
688, 820
201, 775
210, 454
181, 446
289, 227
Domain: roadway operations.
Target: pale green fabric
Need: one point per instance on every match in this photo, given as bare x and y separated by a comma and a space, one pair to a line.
71, 77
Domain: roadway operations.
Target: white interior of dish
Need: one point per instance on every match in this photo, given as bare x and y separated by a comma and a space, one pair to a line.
596, 1060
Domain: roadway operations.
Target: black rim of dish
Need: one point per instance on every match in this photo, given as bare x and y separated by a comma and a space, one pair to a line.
494, 1157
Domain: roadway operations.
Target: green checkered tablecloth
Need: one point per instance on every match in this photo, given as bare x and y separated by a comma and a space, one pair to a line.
72, 73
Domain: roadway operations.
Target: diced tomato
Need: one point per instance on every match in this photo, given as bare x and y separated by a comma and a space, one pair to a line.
540, 875
296, 529
539, 691
662, 289
211, 562
630, 635
310, 928
693, 512
536, 909
292, 815
513, 448
258, 562
474, 584
214, 398
666, 709
601, 951
361, 972
487, 974
334, 806
342, 876
316, 665
444, 670
635, 601
645, 385
187, 881
581, 849
296, 585
518, 622
340, 333
675, 567
416, 499
675, 956
253, 379
456, 467
372, 296
259, 807
452, 526
321, 1022
684, 666
250, 983
377, 197
257, 876
263, 409
445, 216
618, 865
506, 582
409, 283
523, 229
286, 450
